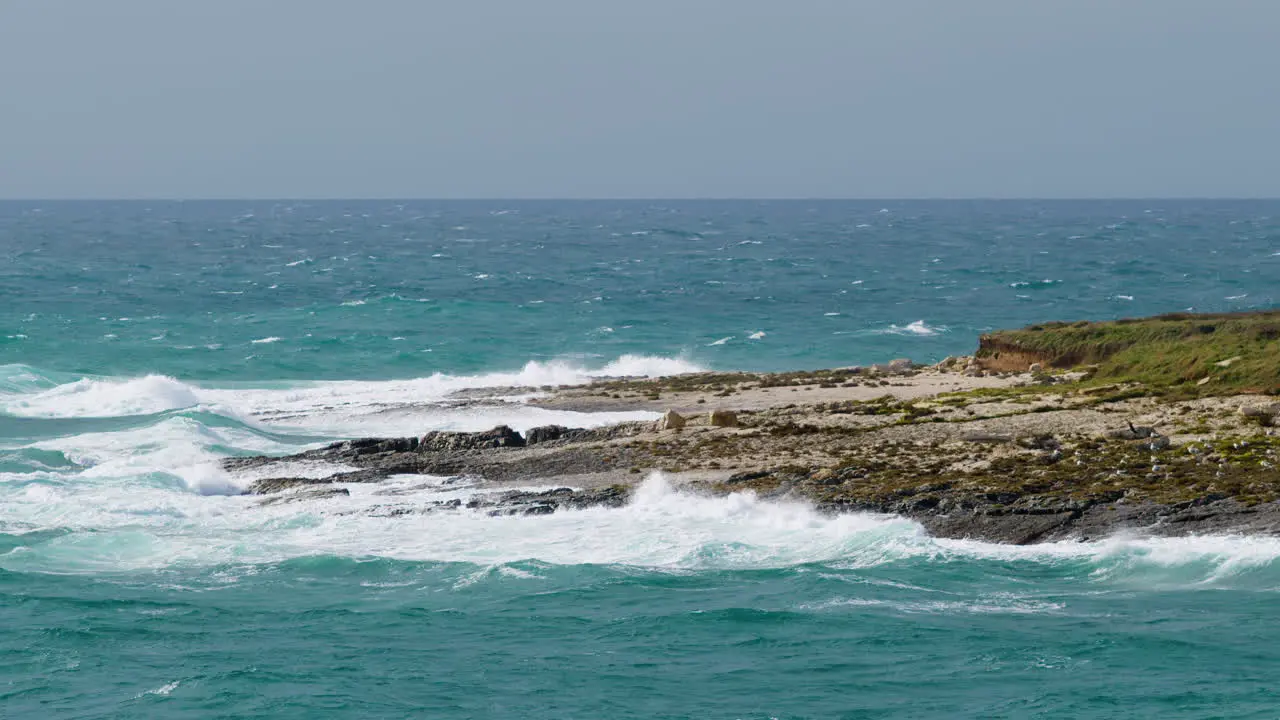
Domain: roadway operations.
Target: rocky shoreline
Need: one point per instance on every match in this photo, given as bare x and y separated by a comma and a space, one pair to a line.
1011, 457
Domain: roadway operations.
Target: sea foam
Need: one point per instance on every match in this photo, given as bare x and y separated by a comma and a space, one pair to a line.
662, 528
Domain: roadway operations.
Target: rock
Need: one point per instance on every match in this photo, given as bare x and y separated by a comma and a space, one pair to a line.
973, 368
1040, 442
671, 420
748, 476
1228, 362
313, 493
1158, 442
901, 365
268, 486
825, 476
1132, 433
722, 418
1204, 380
501, 436
374, 446
981, 437
1260, 411
545, 433
1035, 368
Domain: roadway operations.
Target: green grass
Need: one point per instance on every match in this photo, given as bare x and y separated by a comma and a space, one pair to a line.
1171, 352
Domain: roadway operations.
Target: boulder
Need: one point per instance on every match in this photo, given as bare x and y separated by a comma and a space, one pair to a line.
671, 420
1035, 368
375, 446
1157, 442
722, 418
1260, 411
544, 433
973, 368
501, 436
901, 365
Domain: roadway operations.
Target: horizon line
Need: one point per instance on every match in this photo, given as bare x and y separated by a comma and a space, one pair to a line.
406, 198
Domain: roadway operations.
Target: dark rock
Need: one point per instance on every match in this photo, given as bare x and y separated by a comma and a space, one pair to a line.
1040, 442
545, 433
1132, 433
745, 477
313, 493
501, 436
275, 485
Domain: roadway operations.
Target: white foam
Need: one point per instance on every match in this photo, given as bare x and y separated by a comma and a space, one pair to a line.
103, 398
149, 528
137, 525
918, 329
115, 397
757, 335
162, 690
266, 340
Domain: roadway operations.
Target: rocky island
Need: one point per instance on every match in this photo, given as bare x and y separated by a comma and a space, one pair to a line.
1160, 426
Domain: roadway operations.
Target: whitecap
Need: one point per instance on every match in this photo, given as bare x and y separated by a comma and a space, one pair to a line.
104, 398
266, 340
918, 329
757, 335
721, 341
164, 689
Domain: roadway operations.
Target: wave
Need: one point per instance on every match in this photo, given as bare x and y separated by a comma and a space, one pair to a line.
93, 528
25, 392
914, 329
1035, 284
89, 397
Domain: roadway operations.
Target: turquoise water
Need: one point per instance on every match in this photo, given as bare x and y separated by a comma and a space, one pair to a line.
140, 343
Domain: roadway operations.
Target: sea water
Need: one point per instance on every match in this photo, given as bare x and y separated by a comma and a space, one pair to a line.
143, 342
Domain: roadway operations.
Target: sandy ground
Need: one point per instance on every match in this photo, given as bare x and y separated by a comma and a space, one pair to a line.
928, 383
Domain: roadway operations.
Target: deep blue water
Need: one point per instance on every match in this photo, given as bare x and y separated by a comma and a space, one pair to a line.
140, 343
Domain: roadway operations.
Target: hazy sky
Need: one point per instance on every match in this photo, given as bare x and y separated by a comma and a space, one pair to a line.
652, 98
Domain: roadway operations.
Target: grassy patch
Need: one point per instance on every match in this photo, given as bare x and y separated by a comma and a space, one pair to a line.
1237, 352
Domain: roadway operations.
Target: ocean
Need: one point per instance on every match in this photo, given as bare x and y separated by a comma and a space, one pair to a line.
143, 342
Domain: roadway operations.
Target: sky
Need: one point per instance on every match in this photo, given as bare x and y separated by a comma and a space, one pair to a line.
652, 99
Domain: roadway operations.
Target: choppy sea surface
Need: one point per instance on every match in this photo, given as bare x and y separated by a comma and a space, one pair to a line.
142, 342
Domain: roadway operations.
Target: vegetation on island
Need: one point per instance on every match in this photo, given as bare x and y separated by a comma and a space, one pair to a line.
1178, 354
